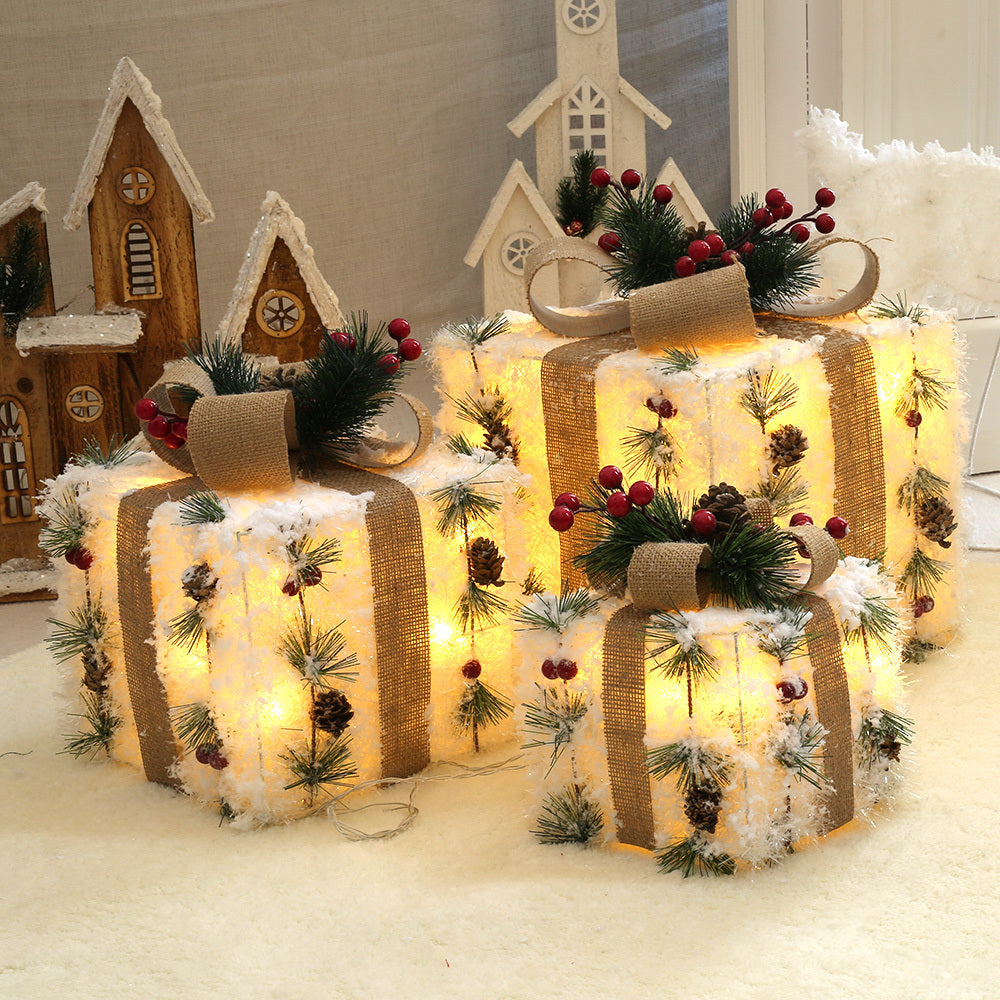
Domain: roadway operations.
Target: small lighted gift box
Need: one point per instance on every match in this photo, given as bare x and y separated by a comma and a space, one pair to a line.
860, 416
720, 737
267, 646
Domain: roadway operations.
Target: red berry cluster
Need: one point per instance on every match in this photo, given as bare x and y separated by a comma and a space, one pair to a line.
308, 576
661, 406
836, 527
166, 427
922, 605
792, 688
79, 557
211, 754
562, 669
408, 349
618, 503
712, 249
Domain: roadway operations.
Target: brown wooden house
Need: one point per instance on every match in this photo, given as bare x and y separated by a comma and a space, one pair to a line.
141, 197
281, 304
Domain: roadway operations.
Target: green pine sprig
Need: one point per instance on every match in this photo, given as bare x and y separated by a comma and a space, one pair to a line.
678, 359
67, 525
693, 764
694, 855
878, 622
88, 629
533, 583
922, 573
676, 656
569, 817
897, 308
919, 485
797, 744
194, 725
754, 569
476, 332
577, 200
330, 765
481, 706
101, 725
554, 719
229, 369
651, 453
555, 613
94, 453
786, 492
785, 636
487, 410
924, 392
318, 655
462, 503
459, 444
763, 398
477, 607
882, 735
916, 650
24, 277
188, 628
203, 507
307, 555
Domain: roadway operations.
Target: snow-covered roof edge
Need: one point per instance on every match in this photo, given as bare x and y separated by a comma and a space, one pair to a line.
544, 99
277, 220
646, 106
32, 195
517, 177
129, 83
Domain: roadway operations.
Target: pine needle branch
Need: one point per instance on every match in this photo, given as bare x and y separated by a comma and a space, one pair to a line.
878, 622
652, 453
188, 628
477, 607
920, 485
784, 636
229, 369
764, 398
476, 332
882, 736
569, 817
694, 855
332, 765
549, 612
194, 725
23, 278
786, 492
922, 574
678, 359
100, 732
554, 718
797, 744
459, 444
481, 706
577, 200
923, 391
204, 507
67, 525
318, 656
462, 503
87, 630
675, 652
94, 453
897, 308
693, 764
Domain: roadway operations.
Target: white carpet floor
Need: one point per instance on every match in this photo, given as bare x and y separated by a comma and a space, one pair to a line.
114, 888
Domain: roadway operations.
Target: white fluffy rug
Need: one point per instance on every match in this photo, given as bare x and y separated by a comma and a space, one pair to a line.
113, 888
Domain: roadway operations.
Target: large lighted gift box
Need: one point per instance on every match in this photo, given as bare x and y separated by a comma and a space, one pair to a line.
266, 646
857, 417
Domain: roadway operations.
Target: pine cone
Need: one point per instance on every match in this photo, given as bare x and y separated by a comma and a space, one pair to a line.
332, 712
282, 377
936, 520
485, 563
890, 749
199, 582
702, 805
728, 505
95, 671
698, 232
499, 439
788, 445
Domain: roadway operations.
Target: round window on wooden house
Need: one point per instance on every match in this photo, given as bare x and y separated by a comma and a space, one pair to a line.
84, 403
136, 185
280, 313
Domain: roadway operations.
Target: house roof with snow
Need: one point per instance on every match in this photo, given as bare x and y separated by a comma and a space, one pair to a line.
128, 83
557, 89
32, 195
114, 333
517, 179
277, 221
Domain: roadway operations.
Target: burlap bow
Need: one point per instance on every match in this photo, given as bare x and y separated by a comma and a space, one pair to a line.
245, 442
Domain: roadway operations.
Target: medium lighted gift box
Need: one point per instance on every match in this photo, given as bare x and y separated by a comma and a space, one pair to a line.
722, 737
266, 641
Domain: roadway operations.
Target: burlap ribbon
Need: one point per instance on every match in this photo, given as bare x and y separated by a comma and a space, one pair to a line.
706, 309
242, 442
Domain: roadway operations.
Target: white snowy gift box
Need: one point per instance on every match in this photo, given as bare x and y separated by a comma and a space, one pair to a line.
857, 415
721, 737
264, 648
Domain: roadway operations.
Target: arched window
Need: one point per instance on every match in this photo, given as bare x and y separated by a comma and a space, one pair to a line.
17, 474
587, 123
280, 313
140, 258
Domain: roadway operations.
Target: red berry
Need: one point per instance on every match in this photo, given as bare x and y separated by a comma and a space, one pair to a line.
174, 441
913, 419
918, 609
399, 329
84, 559
699, 250
290, 587
663, 194
926, 603
762, 218
205, 753
341, 339
567, 669
775, 198
570, 500
310, 576
746, 249
685, 267
219, 762
158, 427
666, 409
729, 257
71, 556
641, 493
786, 210
618, 504
610, 242
610, 477
600, 178
703, 522
715, 243
825, 197
549, 670
389, 363
802, 551
410, 349
838, 528
573, 228
561, 518
472, 669
800, 518
792, 689
146, 409
825, 223
799, 232
631, 179
179, 428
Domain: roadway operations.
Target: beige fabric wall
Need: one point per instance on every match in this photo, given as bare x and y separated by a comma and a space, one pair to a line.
381, 122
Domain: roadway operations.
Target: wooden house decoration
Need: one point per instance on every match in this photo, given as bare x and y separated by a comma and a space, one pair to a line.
141, 196
281, 305
589, 105
25, 447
